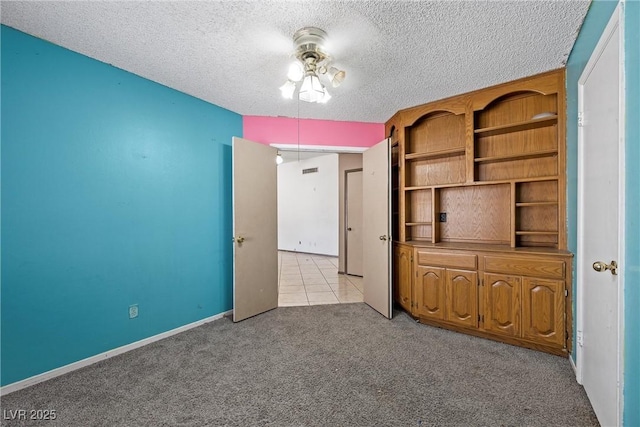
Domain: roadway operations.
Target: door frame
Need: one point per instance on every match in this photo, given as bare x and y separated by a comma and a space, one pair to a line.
346, 217
616, 21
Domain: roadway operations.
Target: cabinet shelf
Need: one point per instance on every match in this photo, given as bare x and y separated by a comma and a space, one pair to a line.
420, 240
435, 154
536, 233
517, 127
493, 182
527, 204
418, 188
519, 156
418, 223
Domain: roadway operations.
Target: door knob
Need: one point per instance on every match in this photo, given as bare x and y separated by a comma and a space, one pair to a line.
383, 237
349, 229
600, 266
239, 239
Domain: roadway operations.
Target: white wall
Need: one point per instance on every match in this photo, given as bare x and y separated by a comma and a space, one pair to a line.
308, 206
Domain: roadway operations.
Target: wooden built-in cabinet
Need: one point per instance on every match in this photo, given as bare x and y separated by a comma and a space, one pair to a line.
479, 212
403, 269
517, 296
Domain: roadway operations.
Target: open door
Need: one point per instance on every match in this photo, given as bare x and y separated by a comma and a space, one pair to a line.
600, 350
376, 224
255, 229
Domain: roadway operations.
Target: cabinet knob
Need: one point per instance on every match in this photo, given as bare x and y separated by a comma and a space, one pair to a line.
383, 237
349, 229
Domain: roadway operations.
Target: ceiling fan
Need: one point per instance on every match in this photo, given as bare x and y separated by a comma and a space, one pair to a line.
312, 60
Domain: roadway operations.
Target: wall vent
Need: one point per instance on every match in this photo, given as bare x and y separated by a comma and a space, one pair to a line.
310, 170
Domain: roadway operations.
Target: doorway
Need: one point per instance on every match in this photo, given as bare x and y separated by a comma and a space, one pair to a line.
311, 206
353, 222
601, 226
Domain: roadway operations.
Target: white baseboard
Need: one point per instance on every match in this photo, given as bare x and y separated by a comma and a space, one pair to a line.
573, 365
19, 385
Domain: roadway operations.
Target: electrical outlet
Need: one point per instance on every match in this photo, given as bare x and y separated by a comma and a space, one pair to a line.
133, 311
443, 217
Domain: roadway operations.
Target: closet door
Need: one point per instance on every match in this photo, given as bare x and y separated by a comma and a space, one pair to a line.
376, 200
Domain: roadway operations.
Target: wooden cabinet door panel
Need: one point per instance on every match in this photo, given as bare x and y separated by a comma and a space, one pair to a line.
462, 297
502, 304
404, 275
543, 310
430, 292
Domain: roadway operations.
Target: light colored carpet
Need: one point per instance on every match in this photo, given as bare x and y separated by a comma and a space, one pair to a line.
332, 365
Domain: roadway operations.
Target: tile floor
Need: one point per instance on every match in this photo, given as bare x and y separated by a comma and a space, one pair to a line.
307, 279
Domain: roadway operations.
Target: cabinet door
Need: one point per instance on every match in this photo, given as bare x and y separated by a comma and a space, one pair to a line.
429, 292
502, 304
543, 310
403, 275
462, 297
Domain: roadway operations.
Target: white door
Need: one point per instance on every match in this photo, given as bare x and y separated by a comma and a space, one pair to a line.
599, 227
255, 229
353, 234
376, 201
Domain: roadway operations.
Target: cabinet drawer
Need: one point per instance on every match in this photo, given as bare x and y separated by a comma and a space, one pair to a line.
525, 266
458, 260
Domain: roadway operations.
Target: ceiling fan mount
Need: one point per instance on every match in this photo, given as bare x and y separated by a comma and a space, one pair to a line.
309, 44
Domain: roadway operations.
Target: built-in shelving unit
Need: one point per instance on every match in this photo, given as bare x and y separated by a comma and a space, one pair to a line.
467, 157
481, 191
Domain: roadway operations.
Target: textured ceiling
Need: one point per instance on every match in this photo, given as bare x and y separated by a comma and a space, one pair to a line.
235, 54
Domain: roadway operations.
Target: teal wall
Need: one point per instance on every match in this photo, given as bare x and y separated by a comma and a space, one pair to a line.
632, 260
599, 14
115, 191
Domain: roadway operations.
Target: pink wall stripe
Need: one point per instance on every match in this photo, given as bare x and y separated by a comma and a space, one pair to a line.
284, 130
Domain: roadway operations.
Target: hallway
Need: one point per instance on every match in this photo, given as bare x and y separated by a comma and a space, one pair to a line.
309, 279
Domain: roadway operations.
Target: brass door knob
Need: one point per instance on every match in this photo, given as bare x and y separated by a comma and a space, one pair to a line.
600, 266
239, 239
383, 237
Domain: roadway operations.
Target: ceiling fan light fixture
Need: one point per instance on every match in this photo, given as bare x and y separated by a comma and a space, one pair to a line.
312, 60
288, 89
336, 76
296, 72
311, 89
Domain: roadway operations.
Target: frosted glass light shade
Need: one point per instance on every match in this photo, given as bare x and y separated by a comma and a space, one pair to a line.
296, 72
325, 98
287, 89
311, 90
336, 76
